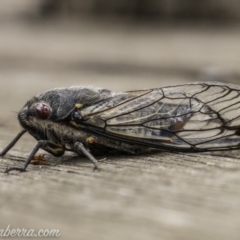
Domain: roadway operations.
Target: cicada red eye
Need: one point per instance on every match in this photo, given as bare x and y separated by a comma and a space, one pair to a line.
42, 111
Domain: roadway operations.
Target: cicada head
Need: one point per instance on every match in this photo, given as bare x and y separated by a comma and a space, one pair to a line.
33, 115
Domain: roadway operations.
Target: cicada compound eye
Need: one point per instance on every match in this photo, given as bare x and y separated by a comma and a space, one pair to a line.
42, 111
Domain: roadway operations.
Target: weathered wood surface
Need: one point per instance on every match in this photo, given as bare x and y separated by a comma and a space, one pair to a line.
151, 196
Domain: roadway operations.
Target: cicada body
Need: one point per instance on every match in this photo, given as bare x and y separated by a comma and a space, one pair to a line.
194, 117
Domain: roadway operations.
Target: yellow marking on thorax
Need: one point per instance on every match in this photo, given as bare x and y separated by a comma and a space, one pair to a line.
78, 105
73, 123
91, 140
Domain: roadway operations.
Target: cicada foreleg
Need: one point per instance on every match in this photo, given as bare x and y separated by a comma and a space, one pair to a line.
12, 143
53, 148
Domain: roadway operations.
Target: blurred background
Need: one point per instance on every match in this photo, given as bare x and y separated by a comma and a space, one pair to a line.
119, 45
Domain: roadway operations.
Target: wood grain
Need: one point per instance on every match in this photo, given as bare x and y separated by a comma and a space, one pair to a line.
151, 196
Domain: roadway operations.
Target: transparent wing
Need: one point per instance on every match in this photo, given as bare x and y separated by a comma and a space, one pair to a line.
192, 117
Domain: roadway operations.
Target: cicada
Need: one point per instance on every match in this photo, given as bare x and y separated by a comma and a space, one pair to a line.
195, 117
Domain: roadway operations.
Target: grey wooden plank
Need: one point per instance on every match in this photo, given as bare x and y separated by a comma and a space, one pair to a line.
151, 196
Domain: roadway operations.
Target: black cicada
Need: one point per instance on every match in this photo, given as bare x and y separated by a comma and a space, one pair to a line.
194, 117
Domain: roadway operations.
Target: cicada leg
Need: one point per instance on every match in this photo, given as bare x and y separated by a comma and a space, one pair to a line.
79, 147
53, 148
12, 143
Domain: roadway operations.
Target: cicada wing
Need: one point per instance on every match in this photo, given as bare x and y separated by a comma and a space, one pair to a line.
192, 117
